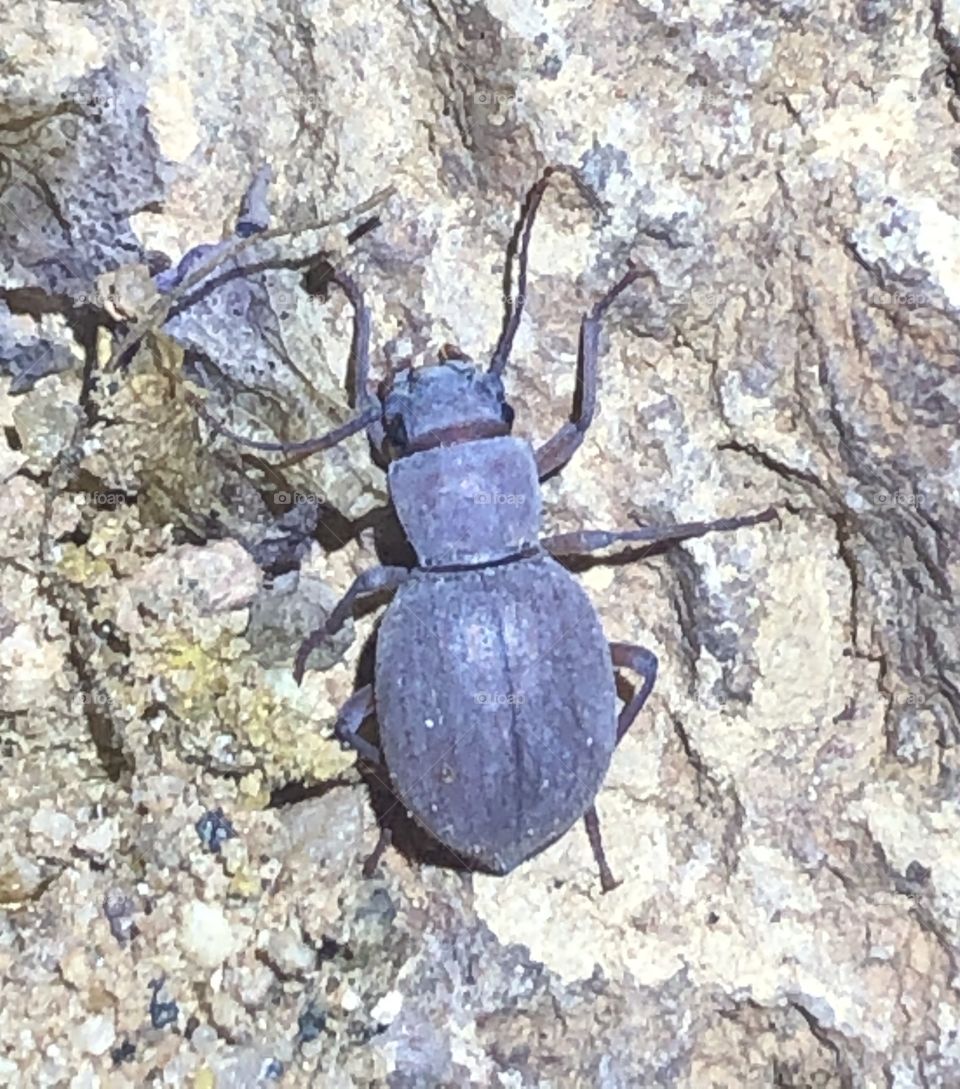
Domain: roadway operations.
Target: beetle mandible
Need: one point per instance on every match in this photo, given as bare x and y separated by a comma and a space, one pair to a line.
494, 687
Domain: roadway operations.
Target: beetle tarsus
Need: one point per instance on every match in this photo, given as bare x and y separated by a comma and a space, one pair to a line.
373, 859
307, 647
607, 881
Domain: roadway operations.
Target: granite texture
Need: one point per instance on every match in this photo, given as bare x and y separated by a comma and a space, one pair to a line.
181, 839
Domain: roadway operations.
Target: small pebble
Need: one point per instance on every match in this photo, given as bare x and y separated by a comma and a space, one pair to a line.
58, 828
204, 1079
98, 839
119, 909
206, 934
95, 1035
214, 828
310, 1023
289, 955
125, 1053
161, 1013
388, 1008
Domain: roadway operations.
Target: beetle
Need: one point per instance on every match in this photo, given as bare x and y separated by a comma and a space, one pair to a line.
494, 685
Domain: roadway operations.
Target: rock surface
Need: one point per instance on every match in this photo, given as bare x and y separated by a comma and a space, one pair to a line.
783, 817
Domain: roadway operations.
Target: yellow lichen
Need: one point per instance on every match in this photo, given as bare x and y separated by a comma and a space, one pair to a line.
276, 730
78, 566
204, 1079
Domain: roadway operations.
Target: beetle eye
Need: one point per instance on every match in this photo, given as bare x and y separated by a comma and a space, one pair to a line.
396, 431
506, 414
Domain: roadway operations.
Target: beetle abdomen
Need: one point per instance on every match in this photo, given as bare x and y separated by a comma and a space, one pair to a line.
496, 702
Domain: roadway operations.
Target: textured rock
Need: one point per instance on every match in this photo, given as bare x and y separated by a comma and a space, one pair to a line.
206, 935
783, 816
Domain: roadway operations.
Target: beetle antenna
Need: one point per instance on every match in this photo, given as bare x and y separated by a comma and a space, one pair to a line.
513, 304
295, 451
358, 371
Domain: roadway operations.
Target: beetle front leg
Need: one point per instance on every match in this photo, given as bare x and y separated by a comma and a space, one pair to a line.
373, 581
557, 451
583, 541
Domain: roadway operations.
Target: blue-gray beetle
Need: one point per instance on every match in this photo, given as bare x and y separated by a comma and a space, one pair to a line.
494, 685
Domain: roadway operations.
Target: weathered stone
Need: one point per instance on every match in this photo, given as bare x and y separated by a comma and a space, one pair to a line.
783, 814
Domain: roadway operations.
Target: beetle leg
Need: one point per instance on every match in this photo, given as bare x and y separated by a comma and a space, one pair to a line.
295, 451
360, 394
557, 451
592, 540
607, 881
358, 370
369, 582
352, 716
373, 859
642, 661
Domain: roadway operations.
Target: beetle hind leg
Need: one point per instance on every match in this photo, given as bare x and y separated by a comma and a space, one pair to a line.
584, 541
644, 662
373, 859
353, 714
607, 881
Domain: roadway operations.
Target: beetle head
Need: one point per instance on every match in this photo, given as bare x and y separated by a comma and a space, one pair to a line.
442, 403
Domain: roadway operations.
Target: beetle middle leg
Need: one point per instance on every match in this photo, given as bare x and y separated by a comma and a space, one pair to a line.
583, 541
644, 662
373, 581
